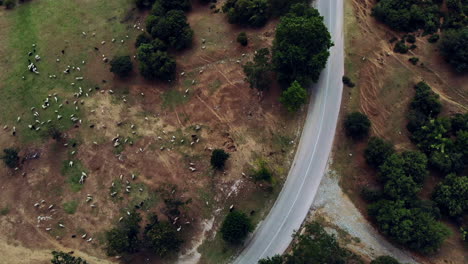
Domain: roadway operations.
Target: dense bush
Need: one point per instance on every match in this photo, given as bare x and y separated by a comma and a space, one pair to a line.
167, 5
300, 49
281, 7
400, 47
357, 125
121, 66
11, 158
235, 227
162, 237
411, 227
172, 28
294, 97
124, 237
413, 60
347, 81
451, 195
258, 72
218, 159
385, 260
262, 173
252, 13
143, 38
242, 39
155, 64
459, 122
377, 151
408, 15
433, 38
10, 4
371, 194
144, 4
59, 257
415, 165
453, 48
425, 100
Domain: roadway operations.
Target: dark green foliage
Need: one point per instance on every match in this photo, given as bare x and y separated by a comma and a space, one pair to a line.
413, 60
258, 72
124, 237
276, 259
315, 246
357, 125
162, 237
144, 4
460, 122
59, 257
1, 2
300, 49
143, 38
433, 38
400, 47
10, 4
453, 48
294, 97
167, 5
410, 38
252, 13
377, 151
262, 173
425, 100
218, 159
415, 165
451, 195
155, 64
412, 47
411, 227
347, 81
236, 226
281, 7
172, 28
242, 39
447, 162
121, 66
11, 158
401, 188
408, 15
371, 195
385, 260
158, 44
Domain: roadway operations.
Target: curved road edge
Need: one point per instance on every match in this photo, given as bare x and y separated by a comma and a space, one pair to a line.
274, 234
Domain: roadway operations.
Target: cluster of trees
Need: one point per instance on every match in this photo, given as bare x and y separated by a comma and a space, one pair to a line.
167, 29
59, 257
316, 246
255, 13
11, 158
453, 48
160, 237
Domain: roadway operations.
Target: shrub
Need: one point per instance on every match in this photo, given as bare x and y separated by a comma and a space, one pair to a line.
10, 4
121, 66
144, 4
433, 38
59, 257
377, 151
357, 125
301, 46
218, 159
347, 81
252, 13
235, 227
410, 39
184, 5
263, 173
385, 260
413, 60
294, 97
11, 158
242, 39
426, 101
400, 47
453, 48
258, 72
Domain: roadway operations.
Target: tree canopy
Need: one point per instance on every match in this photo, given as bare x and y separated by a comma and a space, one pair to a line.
377, 151
11, 158
385, 260
121, 66
124, 237
235, 227
300, 47
453, 48
219, 158
155, 64
357, 125
162, 237
59, 257
451, 195
172, 28
294, 97
252, 13
258, 72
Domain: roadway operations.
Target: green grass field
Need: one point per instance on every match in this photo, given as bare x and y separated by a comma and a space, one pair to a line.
53, 26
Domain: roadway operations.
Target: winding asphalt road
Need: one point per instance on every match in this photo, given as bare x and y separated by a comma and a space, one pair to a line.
274, 234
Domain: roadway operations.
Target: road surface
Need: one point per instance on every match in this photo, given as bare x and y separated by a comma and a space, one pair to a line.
273, 235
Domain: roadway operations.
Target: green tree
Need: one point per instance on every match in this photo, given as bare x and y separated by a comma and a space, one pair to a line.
357, 125
247, 12
167, 5
401, 188
242, 39
10, 4
258, 72
300, 48
235, 227
121, 66
162, 237
11, 158
144, 4
218, 159
294, 97
59, 257
453, 48
426, 101
451, 195
276, 259
377, 151
281, 7
172, 28
385, 260
155, 64
459, 123
415, 165
143, 38
124, 237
